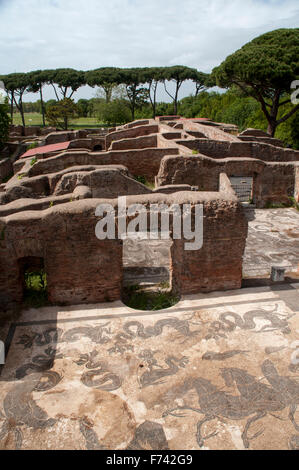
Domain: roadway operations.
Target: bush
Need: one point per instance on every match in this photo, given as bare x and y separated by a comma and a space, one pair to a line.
34, 145
115, 112
137, 298
35, 295
59, 114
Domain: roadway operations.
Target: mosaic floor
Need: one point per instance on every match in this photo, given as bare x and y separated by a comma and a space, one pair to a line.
273, 240
217, 371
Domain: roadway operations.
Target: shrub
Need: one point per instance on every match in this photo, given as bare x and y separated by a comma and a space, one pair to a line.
59, 114
137, 298
35, 289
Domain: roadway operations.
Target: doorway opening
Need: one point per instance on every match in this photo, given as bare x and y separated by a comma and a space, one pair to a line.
34, 281
147, 274
98, 148
243, 187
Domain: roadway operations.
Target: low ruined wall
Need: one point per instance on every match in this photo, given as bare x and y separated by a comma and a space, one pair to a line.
27, 131
88, 143
143, 122
272, 182
218, 265
143, 142
82, 269
64, 136
144, 162
261, 151
102, 184
131, 133
265, 140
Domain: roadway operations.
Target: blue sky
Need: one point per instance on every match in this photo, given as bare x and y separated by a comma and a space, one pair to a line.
87, 34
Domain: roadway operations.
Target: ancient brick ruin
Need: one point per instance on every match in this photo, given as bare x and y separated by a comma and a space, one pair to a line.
47, 208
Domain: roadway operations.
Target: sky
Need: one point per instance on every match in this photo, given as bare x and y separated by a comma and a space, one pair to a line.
44, 34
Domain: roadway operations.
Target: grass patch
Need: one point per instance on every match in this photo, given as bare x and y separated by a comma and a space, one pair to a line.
35, 119
282, 205
35, 295
142, 179
34, 145
138, 298
278, 205
294, 203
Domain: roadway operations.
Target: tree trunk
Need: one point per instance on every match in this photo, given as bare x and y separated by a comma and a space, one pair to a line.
154, 100
23, 117
20, 109
178, 86
42, 105
272, 128
11, 106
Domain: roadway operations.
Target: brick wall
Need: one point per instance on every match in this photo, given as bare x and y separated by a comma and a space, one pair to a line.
131, 133
218, 149
82, 269
273, 182
144, 162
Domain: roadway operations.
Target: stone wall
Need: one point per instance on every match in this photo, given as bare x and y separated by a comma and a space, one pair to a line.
82, 269
102, 181
141, 162
272, 182
27, 131
219, 149
142, 142
131, 133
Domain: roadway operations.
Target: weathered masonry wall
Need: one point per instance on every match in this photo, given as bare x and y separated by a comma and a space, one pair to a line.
6, 169
82, 269
100, 182
272, 182
219, 149
145, 162
143, 142
131, 133
79, 267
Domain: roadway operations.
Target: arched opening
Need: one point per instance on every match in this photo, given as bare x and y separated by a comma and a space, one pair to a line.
98, 148
34, 281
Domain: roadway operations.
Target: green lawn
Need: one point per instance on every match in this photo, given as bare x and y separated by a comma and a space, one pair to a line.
35, 119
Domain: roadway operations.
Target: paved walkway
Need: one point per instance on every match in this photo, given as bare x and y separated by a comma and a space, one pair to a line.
217, 371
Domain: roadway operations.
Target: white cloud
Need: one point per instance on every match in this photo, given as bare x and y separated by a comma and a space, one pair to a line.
70, 33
